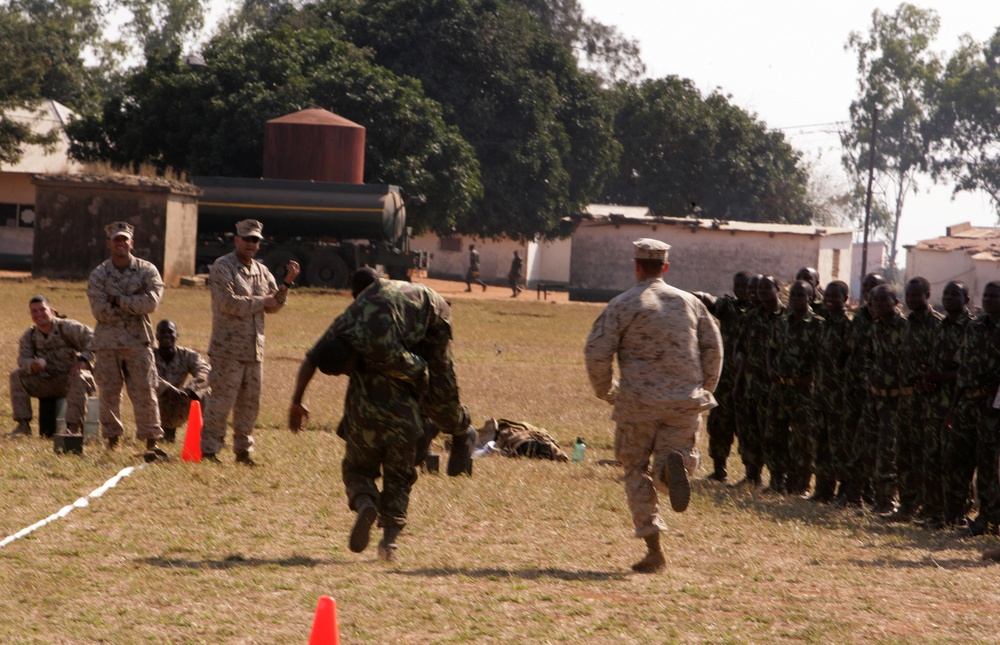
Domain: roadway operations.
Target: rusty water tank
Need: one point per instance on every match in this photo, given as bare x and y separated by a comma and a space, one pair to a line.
314, 145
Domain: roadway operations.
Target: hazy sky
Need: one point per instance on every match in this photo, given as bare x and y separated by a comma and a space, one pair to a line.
786, 62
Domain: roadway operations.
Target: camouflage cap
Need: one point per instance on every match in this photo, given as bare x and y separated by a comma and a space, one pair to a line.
250, 228
649, 249
114, 229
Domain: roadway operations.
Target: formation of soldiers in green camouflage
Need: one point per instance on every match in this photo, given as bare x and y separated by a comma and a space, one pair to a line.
895, 413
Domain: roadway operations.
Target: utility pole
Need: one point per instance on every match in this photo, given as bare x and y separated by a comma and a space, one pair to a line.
868, 196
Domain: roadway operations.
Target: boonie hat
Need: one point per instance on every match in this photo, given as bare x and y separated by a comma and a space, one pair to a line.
649, 249
250, 228
114, 229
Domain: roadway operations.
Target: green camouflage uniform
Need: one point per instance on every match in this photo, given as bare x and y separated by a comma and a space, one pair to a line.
790, 432
950, 463
860, 439
402, 333
890, 379
978, 380
832, 442
729, 312
751, 419
921, 345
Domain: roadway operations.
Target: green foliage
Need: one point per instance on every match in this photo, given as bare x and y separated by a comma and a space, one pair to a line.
211, 121
965, 129
896, 71
540, 127
685, 154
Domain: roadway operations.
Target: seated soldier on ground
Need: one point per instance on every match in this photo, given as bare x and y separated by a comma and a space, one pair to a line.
182, 377
53, 361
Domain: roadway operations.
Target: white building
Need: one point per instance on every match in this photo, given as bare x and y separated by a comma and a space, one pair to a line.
966, 253
17, 193
704, 254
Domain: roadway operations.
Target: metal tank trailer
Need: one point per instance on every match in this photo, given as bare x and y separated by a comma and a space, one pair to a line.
330, 228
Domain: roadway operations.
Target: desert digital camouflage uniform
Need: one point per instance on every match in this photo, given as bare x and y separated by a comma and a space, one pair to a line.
670, 357
950, 457
790, 433
978, 381
752, 343
123, 344
402, 333
186, 363
890, 379
729, 313
921, 346
833, 445
860, 439
60, 348
236, 350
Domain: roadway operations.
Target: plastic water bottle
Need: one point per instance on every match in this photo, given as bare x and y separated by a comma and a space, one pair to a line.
579, 449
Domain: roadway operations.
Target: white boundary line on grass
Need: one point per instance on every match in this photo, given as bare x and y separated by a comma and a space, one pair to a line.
65, 510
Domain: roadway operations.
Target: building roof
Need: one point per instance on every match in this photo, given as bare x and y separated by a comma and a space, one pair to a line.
978, 241
642, 215
36, 159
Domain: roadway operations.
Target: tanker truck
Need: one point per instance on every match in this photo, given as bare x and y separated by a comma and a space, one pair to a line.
331, 229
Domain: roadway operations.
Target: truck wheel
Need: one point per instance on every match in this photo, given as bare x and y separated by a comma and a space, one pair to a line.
277, 261
327, 270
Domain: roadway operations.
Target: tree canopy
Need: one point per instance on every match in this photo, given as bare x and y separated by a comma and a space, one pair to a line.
685, 155
965, 129
896, 72
210, 121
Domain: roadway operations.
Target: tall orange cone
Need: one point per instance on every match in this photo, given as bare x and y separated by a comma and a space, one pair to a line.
192, 438
325, 630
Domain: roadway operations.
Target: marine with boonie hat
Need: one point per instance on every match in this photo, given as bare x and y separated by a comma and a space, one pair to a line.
669, 354
123, 291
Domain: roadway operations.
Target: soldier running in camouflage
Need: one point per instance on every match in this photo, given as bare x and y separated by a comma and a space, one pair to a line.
394, 343
670, 356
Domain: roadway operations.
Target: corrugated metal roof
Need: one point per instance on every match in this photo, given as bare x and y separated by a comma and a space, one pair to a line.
972, 239
642, 214
37, 159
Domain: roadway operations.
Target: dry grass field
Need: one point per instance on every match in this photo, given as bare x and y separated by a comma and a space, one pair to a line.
522, 552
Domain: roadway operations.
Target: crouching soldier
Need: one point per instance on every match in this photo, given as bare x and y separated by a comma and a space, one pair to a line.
182, 377
53, 360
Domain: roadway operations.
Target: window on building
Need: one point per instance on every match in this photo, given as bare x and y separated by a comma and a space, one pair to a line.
451, 243
17, 215
836, 265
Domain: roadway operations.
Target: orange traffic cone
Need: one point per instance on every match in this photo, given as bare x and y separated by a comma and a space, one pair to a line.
192, 438
324, 630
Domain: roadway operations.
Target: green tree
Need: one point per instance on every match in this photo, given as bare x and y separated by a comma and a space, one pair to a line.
685, 154
211, 121
896, 72
541, 129
965, 130
603, 48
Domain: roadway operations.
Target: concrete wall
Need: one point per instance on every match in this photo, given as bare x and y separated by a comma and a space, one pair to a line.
548, 262
450, 257
72, 211
986, 271
700, 259
941, 267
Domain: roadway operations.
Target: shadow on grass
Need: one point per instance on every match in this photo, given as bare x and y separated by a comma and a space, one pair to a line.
234, 561
521, 574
